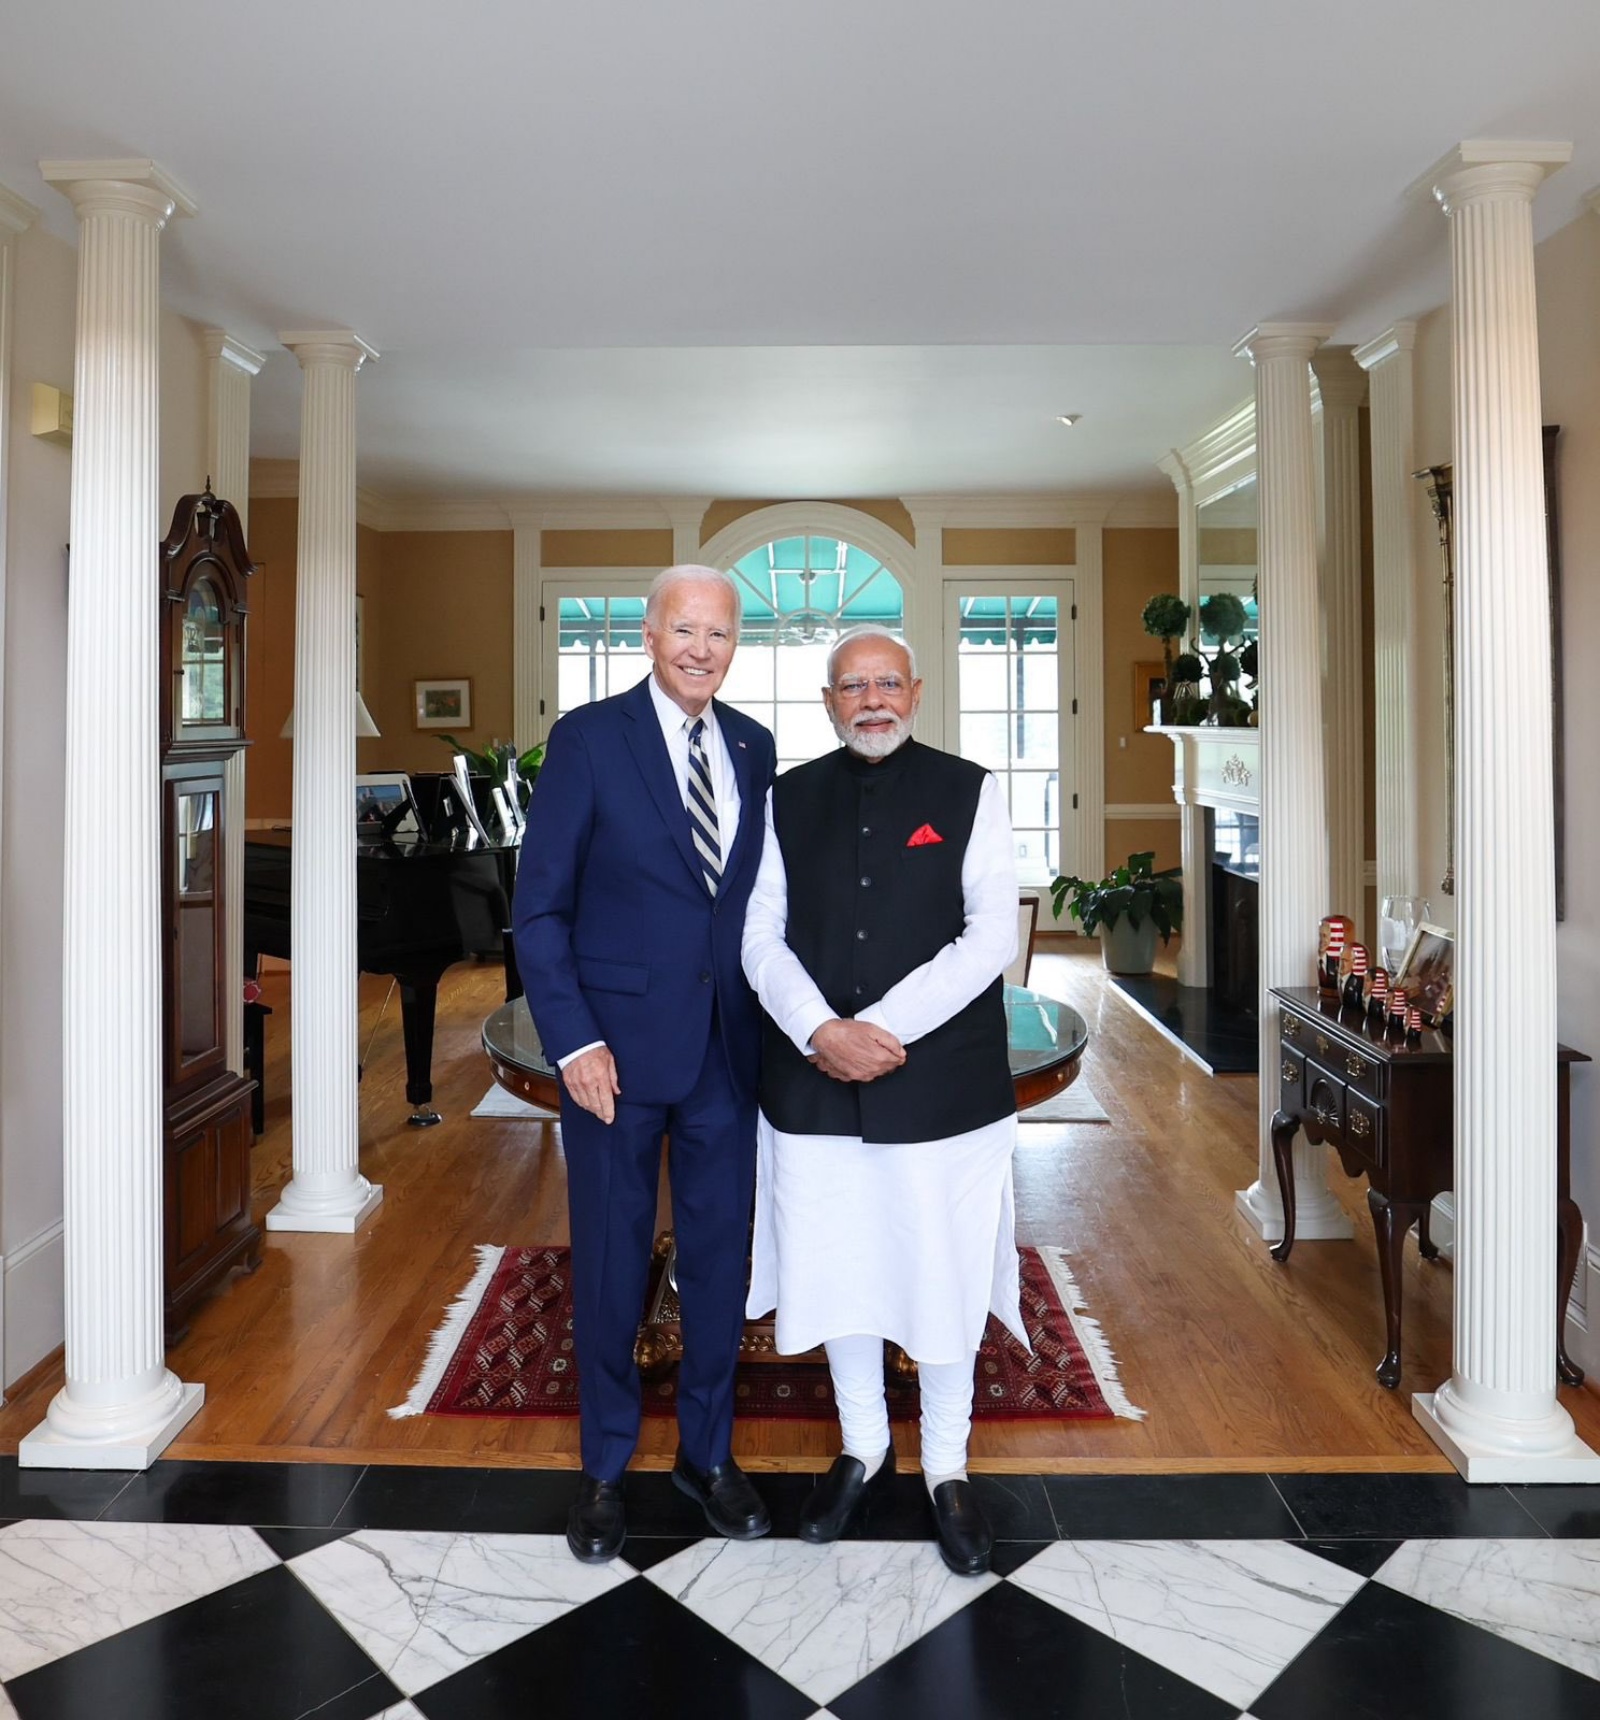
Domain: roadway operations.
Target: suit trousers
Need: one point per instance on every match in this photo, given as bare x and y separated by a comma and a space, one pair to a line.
613, 1174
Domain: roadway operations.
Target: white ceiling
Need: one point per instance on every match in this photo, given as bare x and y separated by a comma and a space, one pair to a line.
720, 247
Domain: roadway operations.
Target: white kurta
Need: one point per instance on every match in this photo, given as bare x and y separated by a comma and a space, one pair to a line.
910, 1241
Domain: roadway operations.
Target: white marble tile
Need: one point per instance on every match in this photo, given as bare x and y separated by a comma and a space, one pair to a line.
65, 1585
1227, 1615
821, 1617
7, 1712
1544, 1595
401, 1711
425, 1605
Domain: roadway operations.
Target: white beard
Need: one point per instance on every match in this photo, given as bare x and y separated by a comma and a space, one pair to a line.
874, 743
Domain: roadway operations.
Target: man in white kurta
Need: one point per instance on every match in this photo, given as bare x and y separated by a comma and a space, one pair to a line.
870, 1235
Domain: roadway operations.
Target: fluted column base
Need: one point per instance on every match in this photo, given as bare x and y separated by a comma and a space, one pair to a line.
339, 1204
130, 1433
1495, 1441
1318, 1217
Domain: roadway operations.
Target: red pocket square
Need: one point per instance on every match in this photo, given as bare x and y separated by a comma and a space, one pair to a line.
920, 838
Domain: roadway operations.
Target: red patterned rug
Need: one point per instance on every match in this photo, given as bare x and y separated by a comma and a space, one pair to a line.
505, 1349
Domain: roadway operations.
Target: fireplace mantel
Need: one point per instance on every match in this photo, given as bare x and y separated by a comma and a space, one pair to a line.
1212, 767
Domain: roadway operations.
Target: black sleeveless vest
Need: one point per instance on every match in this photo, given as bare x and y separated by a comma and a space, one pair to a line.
867, 905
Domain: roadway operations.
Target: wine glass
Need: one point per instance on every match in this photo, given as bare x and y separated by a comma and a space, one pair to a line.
1398, 919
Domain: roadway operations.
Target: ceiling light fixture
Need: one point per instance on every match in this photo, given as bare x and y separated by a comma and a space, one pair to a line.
1068, 418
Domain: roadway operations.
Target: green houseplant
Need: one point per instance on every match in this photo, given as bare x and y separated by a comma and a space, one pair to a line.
495, 760
1165, 618
1127, 908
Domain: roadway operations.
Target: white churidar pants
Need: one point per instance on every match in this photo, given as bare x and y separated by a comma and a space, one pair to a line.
856, 1364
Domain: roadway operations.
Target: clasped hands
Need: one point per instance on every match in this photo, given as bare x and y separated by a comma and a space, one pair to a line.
856, 1050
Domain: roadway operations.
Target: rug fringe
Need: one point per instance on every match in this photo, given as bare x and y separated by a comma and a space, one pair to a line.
1096, 1345
442, 1345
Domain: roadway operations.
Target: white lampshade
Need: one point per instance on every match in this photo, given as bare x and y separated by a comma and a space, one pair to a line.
365, 726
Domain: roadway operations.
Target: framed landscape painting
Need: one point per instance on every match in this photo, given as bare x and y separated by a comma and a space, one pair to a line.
443, 704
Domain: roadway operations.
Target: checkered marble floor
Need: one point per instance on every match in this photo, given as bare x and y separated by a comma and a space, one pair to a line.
275, 1592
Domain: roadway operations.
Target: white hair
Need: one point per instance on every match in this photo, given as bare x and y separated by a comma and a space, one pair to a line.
690, 573
870, 630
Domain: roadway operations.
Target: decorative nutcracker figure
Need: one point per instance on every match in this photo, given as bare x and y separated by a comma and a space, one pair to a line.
1355, 978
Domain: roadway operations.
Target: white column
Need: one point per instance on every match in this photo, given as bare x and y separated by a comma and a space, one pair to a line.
529, 721
327, 1191
120, 1406
1343, 386
1294, 848
1194, 952
1497, 1417
230, 364
1089, 730
1388, 363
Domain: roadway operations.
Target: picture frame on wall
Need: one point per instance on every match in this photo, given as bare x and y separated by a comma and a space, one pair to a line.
1427, 972
442, 704
1149, 685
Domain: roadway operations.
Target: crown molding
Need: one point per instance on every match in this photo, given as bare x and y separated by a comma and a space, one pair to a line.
386, 513
1021, 511
1400, 337
274, 480
17, 214
123, 170
218, 343
1219, 457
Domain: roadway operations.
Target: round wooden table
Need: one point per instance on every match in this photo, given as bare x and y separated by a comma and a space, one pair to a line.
1044, 1040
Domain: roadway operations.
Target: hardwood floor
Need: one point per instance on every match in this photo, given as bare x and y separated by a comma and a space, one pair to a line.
1242, 1364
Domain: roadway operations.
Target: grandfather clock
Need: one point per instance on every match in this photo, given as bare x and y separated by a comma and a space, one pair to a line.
207, 1134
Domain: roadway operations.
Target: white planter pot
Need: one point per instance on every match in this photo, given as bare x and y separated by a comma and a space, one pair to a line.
1126, 950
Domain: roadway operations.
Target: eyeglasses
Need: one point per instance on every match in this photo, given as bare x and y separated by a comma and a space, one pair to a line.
891, 686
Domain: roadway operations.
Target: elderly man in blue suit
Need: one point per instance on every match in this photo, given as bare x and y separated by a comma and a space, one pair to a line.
644, 837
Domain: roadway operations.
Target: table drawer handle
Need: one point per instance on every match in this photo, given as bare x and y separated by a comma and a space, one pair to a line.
1291, 1073
1291, 1028
1360, 1124
1322, 1044
1356, 1067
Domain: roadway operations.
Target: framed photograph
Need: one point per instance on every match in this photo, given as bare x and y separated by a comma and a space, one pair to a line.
1427, 971
442, 704
384, 806
1149, 684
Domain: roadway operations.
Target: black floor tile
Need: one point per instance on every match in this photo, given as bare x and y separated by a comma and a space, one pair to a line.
1169, 1508
284, 1495
897, 1510
1401, 1507
656, 1507
644, 1552
291, 1543
260, 1650
1224, 1036
1361, 1556
1017, 1506
76, 1493
476, 1501
1009, 1656
633, 1652
1386, 1655
1011, 1556
1567, 1512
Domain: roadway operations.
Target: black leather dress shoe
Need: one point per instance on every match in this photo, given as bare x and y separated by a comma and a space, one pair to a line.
964, 1539
834, 1500
596, 1525
724, 1492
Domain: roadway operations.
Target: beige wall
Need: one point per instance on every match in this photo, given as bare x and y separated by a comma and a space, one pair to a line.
606, 548
1010, 546
1137, 563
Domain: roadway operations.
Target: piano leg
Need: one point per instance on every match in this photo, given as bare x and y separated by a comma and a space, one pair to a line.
418, 996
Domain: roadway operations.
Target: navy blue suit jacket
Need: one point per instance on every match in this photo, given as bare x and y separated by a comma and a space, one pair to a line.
617, 936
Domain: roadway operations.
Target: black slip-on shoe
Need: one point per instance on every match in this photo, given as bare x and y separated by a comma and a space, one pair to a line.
838, 1495
726, 1495
596, 1524
964, 1539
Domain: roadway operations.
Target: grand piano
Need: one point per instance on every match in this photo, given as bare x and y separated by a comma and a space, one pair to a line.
421, 906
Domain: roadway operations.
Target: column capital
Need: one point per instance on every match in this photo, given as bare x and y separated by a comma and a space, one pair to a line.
218, 343
328, 346
1282, 340
17, 214
124, 185
1491, 167
1340, 380
1398, 338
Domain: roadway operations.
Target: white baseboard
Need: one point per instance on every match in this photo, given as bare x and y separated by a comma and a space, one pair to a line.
32, 1306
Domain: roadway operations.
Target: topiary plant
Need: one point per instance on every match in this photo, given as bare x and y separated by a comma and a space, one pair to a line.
1188, 667
1222, 617
1165, 617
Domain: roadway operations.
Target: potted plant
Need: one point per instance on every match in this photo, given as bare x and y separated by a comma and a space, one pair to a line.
1165, 618
1127, 908
496, 759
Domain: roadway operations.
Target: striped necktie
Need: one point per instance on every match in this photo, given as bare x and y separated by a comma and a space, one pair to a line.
703, 807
